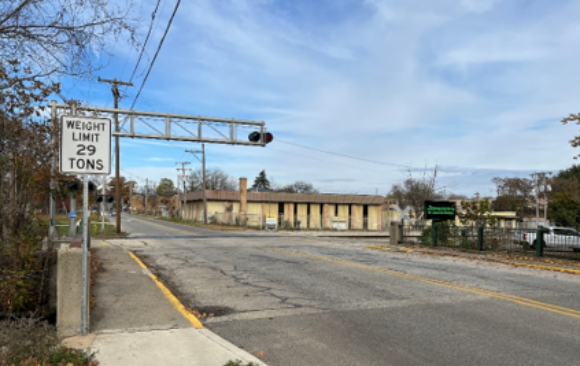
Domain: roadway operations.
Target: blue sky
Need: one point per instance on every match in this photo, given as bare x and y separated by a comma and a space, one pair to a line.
477, 87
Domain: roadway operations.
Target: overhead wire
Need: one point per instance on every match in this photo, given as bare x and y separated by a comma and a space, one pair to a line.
326, 161
146, 40
134, 175
344, 155
156, 54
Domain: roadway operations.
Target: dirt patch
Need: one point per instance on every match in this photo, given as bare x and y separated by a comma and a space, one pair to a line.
96, 268
207, 312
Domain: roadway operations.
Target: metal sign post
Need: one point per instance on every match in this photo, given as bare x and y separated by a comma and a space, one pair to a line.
85, 256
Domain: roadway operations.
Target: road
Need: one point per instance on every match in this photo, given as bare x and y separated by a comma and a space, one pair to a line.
299, 300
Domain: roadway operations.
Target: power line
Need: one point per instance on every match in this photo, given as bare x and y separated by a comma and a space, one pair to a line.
135, 175
146, 40
326, 161
345, 155
156, 54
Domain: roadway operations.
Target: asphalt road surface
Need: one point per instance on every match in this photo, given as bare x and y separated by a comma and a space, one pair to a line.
308, 301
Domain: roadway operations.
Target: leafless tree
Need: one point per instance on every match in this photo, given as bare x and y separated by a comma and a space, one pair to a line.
215, 179
63, 37
298, 187
415, 191
513, 194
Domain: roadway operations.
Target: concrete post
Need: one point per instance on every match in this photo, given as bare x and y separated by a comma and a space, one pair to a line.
69, 289
379, 219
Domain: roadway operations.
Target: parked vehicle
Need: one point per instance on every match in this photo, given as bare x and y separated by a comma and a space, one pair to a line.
558, 238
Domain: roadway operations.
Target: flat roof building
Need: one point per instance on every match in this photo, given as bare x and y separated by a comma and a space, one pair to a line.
309, 210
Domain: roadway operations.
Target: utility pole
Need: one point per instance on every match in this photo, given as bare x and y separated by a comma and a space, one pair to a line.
183, 170
203, 179
115, 89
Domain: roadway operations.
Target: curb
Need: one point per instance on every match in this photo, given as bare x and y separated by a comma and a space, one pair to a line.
172, 299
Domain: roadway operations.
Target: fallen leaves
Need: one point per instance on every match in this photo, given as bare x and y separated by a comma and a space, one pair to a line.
198, 314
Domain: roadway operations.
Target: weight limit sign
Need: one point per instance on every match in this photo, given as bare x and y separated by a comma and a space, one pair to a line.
85, 145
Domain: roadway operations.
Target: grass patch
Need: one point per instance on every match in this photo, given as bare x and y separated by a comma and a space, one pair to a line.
202, 226
31, 341
62, 222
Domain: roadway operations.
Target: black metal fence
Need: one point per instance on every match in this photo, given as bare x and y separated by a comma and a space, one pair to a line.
554, 241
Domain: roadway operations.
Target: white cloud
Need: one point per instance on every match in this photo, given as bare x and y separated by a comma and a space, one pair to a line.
476, 86
159, 159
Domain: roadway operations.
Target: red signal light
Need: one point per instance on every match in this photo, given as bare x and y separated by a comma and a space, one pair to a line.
268, 137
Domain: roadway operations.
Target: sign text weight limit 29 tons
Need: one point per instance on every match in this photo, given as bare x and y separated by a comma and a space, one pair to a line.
85, 145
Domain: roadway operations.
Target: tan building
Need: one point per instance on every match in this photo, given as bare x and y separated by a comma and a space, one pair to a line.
313, 211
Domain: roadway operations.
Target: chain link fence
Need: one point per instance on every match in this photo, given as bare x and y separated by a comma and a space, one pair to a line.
554, 241
295, 222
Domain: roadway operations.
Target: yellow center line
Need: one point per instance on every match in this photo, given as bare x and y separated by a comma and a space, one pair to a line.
475, 290
172, 299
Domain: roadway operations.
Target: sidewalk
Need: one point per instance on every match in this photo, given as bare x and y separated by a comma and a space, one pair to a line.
137, 321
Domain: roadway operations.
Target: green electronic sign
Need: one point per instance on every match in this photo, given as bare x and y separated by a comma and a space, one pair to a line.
439, 210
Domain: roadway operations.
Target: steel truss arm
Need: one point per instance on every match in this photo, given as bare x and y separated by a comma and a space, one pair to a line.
160, 126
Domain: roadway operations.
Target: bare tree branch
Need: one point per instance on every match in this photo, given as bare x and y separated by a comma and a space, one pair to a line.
64, 37
15, 11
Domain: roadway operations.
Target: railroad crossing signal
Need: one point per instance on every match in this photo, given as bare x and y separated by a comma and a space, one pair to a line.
403, 213
265, 138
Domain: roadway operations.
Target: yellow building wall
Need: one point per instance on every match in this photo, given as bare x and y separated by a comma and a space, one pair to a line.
271, 210
214, 206
302, 213
372, 219
254, 213
343, 212
199, 211
331, 210
254, 208
315, 219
